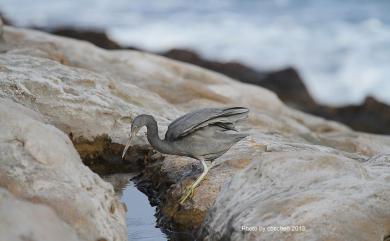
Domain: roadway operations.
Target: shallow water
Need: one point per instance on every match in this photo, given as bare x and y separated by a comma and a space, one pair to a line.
141, 222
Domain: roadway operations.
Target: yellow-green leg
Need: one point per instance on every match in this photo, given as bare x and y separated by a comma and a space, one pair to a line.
190, 190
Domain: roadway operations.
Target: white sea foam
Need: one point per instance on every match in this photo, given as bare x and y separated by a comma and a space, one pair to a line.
341, 48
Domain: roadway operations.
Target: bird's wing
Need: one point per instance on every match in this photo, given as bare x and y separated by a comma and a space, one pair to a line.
188, 123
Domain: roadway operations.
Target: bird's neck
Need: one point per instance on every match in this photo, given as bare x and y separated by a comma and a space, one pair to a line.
154, 139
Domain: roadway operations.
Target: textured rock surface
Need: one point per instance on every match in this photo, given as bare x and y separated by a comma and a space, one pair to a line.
331, 196
301, 168
286, 83
39, 163
18, 221
370, 116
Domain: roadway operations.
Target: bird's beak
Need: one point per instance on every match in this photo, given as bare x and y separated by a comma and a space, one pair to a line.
133, 132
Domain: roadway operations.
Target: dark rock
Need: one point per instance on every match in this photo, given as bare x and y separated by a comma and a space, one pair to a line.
97, 37
371, 116
5, 20
103, 156
286, 83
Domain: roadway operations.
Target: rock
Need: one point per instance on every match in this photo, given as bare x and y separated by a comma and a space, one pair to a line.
18, 221
370, 116
1, 29
40, 164
289, 87
286, 83
5, 20
310, 196
93, 94
97, 37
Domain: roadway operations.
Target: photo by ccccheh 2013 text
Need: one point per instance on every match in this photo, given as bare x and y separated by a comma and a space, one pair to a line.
276, 228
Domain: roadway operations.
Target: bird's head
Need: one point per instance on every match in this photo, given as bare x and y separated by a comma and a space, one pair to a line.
136, 125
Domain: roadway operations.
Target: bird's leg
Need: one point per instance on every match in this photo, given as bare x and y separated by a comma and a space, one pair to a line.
190, 190
209, 165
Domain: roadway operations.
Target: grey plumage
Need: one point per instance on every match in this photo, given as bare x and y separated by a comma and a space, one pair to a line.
188, 123
204, 134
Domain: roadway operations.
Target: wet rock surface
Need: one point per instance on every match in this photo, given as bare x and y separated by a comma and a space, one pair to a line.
302, 169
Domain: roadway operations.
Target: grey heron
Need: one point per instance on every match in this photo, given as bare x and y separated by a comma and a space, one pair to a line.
203, 134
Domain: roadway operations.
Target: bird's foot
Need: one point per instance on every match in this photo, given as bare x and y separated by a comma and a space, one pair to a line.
189, 192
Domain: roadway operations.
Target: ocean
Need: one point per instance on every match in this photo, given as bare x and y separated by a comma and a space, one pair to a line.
340, 48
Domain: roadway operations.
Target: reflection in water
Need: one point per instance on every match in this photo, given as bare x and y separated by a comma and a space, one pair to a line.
141, 222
